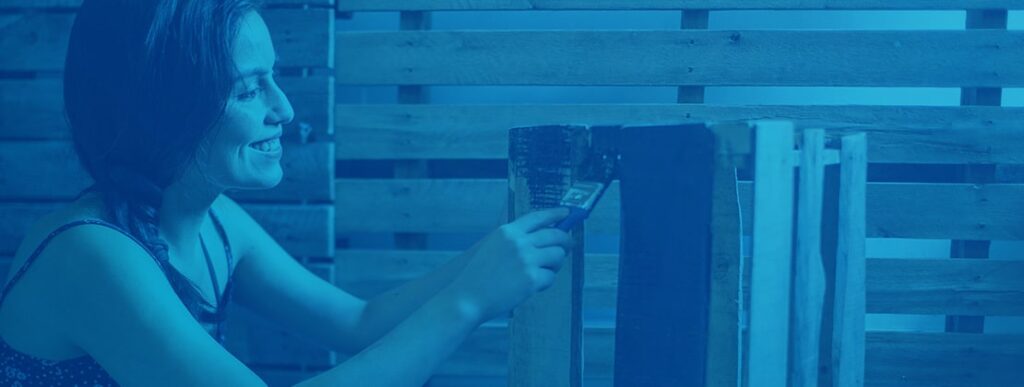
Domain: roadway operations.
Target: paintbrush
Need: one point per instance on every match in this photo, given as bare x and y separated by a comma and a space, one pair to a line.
598, 173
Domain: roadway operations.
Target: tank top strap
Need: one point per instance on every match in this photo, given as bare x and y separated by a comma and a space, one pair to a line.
42, 245
227, 245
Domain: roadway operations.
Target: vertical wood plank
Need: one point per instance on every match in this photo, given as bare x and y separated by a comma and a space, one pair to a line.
772, 259
661, 320
724, 329
986, 19
692, 20
809, 272
848, 337
546, 343
412, 169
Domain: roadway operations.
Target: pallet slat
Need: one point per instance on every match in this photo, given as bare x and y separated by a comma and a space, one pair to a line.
674, 58
898, 134
304, 231
524, 5
895, 210
30, 4
49, 170
899, 286
37, 41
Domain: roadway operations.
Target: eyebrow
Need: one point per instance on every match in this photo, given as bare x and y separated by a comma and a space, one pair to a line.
256, 70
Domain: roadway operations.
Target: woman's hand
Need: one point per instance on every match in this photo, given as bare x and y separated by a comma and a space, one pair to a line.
513, 262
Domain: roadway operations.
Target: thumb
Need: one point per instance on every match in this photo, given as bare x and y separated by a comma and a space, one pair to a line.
539, 219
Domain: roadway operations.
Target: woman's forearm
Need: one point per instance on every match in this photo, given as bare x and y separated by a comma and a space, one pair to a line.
408, 354
385, 311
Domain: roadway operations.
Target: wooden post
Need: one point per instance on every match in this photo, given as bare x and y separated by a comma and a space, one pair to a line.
771, 262
546, 344
979, 174
848, 337
809, 272
412, 94
664, 266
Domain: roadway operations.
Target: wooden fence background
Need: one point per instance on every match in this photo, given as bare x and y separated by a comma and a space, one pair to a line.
393, 160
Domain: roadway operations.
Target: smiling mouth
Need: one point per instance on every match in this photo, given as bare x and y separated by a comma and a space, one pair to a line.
267, 146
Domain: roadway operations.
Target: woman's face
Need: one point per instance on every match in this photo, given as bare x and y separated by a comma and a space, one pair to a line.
244, 149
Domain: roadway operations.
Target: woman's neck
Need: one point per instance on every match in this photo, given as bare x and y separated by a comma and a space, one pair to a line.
183, 212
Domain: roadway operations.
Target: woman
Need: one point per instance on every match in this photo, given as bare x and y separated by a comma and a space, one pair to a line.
170, 104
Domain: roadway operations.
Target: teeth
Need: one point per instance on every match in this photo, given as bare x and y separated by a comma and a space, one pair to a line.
271, 145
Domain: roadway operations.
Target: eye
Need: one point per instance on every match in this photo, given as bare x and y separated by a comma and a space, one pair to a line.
250, 94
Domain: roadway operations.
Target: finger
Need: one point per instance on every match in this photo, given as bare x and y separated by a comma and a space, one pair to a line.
543, 279
551, 237
540, 219
551, 258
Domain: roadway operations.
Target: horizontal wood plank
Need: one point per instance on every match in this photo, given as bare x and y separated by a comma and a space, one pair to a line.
895, 210
32, 4
897, 286
898, 134
528, 5
304, 231
673, 58
37, 41
943, 359
49, 170
33, 109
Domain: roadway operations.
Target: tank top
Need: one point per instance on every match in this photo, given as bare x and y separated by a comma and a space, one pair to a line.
23, 370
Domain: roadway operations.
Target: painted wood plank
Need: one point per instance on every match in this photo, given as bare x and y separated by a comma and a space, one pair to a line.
31, 4
525, 5
546, 331
681, 58
33, 109
849, 301
808, 270
38, 40
304, 231
770, 284
664, 271
49, 170
899, 134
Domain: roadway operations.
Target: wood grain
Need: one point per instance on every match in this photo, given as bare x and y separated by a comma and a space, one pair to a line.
683, 58
899, 134
808, 269
849, 305
894, 210
523, 5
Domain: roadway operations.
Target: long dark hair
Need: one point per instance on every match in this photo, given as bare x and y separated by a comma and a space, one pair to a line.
144, 83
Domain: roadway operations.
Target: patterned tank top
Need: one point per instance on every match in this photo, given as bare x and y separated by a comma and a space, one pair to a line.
18, 369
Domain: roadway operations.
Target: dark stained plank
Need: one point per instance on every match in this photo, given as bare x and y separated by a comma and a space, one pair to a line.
898, 134
683, 58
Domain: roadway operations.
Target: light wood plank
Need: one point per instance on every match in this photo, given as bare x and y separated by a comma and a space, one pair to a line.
808, 270
49, 170
304, 231
525, 5
899, 134
683, 58
724, 329
770, 284
895, 210
37, 41
849, 299
546, 330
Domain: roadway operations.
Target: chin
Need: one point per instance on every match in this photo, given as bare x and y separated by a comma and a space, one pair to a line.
262, 181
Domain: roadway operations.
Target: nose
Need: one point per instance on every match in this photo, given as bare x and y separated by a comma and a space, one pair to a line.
281, 112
